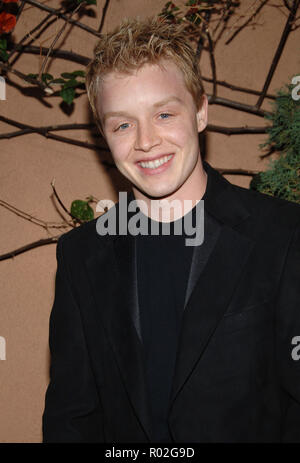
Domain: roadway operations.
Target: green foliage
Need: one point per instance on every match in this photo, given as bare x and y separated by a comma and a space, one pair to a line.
68, 82
82, 210
282, 178
284, 134
3, 47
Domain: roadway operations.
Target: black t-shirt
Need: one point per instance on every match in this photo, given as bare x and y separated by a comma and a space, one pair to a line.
163, 265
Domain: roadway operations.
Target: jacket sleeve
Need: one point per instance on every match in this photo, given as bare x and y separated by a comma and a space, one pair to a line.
288, 337
72, 409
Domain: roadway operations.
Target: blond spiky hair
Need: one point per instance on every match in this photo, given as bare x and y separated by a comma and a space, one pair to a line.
136, 42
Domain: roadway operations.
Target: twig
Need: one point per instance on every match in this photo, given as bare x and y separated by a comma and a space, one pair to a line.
63, 54
236, 105
57, 37
237, 88
27, 247
235, 130
237, 171
32, 219
104, 11
204, 26
212, 65
278, 52
56, 12
44, 131
246, 22
18, 46
62, 204
287, 4
225, 18
8, 68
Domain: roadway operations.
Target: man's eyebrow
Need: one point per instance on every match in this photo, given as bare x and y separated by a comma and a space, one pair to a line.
114, 114
170, 99
155, 105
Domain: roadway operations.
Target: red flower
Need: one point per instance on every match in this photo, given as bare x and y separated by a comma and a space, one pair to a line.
7, 22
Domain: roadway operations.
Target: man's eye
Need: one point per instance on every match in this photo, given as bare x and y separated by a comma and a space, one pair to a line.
122, 127
165, 115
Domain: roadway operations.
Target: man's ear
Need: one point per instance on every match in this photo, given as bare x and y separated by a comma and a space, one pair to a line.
202, 114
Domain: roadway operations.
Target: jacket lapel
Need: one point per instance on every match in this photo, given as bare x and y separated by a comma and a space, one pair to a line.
117, 297
214, 274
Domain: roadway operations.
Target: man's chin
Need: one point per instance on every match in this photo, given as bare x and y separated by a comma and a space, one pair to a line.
155, 193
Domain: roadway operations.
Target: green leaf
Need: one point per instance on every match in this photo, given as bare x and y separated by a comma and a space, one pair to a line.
3, 55
68, 95
71, 75
57, 81
78, 73
46, 77
82, 210
33, 76
67, 75
71, 83
3, 44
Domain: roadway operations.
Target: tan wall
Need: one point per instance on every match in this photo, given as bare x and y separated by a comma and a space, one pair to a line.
30, 162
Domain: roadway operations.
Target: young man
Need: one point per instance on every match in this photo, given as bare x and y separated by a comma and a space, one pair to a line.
153, 340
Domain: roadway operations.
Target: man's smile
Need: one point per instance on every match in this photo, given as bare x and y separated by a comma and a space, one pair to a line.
157, 165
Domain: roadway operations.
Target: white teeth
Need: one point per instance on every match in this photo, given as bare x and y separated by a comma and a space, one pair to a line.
156, 163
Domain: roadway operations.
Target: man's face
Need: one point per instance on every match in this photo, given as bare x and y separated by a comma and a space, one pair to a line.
151, 125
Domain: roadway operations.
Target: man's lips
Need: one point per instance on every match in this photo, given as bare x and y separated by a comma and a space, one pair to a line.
151, 170
159, 156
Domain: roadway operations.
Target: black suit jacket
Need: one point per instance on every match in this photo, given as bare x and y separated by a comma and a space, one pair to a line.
237, 378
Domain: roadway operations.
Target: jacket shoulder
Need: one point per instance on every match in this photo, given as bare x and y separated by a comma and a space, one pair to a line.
83, 239
274, 211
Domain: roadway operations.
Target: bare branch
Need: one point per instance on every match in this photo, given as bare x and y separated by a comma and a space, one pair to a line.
104, 11
236, 105
8, 68
18, 46
63, 54
27, 247
57, 12
236, 171
235, 130
57, 37
44, 131
238, 30
237, 88
32, 219
212, 65
279, 51
62, 204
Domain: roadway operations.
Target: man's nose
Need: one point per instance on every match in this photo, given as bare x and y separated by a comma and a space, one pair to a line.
147, 137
